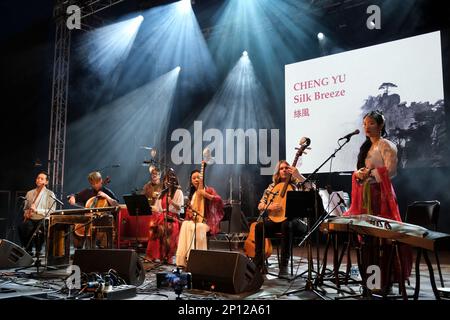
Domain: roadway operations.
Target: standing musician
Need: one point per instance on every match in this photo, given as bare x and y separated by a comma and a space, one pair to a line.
152, 188
88, 197
373, 193
38, 202
203, 215
276, 221
164, 225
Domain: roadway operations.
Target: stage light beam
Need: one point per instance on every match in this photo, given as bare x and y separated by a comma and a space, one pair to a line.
320, 36
185, 6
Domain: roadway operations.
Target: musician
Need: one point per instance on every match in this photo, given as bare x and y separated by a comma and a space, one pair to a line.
97, 189
164, 225
373, 193
203, 215
285, 227
38, 202
152, 188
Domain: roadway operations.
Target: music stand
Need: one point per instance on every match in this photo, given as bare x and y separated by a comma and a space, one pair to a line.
304, 204
300, 204
137, 205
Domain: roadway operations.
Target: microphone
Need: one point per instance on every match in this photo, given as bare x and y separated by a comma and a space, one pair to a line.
22, 198
348, 136
57, 200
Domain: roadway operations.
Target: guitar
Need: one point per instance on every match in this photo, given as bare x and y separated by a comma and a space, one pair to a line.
281, 188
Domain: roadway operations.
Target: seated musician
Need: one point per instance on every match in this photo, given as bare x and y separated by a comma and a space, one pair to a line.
97, 191
203, 215
373, 193
276, 221
38, 202
164, 225
152, 188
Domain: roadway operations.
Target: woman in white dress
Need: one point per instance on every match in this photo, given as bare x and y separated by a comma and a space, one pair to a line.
203, 215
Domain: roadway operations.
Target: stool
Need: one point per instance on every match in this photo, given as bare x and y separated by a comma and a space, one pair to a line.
103, 224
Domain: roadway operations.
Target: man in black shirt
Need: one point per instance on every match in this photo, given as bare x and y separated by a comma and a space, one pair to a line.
89, 197
97, 189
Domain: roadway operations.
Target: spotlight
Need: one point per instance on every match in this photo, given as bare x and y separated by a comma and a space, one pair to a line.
244, 53
140, 18
185, 6
320, 36
178, 68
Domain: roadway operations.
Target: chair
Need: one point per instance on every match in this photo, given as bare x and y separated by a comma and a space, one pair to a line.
426, 214
298, 230
103, 224
276, 241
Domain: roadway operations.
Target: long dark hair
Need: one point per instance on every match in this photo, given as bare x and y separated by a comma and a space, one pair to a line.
192, 188
173, 183
377, 115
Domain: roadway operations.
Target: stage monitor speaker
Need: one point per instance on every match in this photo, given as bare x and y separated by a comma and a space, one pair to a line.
11, 255
125, 261
223, 271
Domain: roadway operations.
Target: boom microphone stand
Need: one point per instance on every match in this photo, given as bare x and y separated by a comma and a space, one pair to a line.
37, 263
310, 286
194, 215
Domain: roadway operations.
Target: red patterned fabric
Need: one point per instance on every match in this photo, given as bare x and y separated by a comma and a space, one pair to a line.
383, 203
163, 234
382, 197
213, 211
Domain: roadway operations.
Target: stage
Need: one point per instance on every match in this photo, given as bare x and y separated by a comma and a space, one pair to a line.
50, 285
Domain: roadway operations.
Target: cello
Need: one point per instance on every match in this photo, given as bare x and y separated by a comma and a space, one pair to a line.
93, 202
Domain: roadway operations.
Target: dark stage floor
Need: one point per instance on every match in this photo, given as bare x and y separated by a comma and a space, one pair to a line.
50, 284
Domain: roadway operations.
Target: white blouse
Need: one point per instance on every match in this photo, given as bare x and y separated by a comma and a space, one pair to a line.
177, 199
382, 154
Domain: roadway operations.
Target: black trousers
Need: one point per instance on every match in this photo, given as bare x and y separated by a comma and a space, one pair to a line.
287, 228
26, 231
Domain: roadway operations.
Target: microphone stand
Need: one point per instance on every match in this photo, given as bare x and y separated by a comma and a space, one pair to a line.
195, 214
37, 263
310, 286
260, 218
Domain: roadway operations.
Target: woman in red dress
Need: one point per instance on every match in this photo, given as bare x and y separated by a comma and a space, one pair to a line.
373, 194
164, 225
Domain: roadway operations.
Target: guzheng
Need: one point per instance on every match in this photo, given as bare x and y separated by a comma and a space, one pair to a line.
375, 226
83, 211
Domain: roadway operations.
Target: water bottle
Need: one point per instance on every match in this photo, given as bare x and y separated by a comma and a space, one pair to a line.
354, 271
